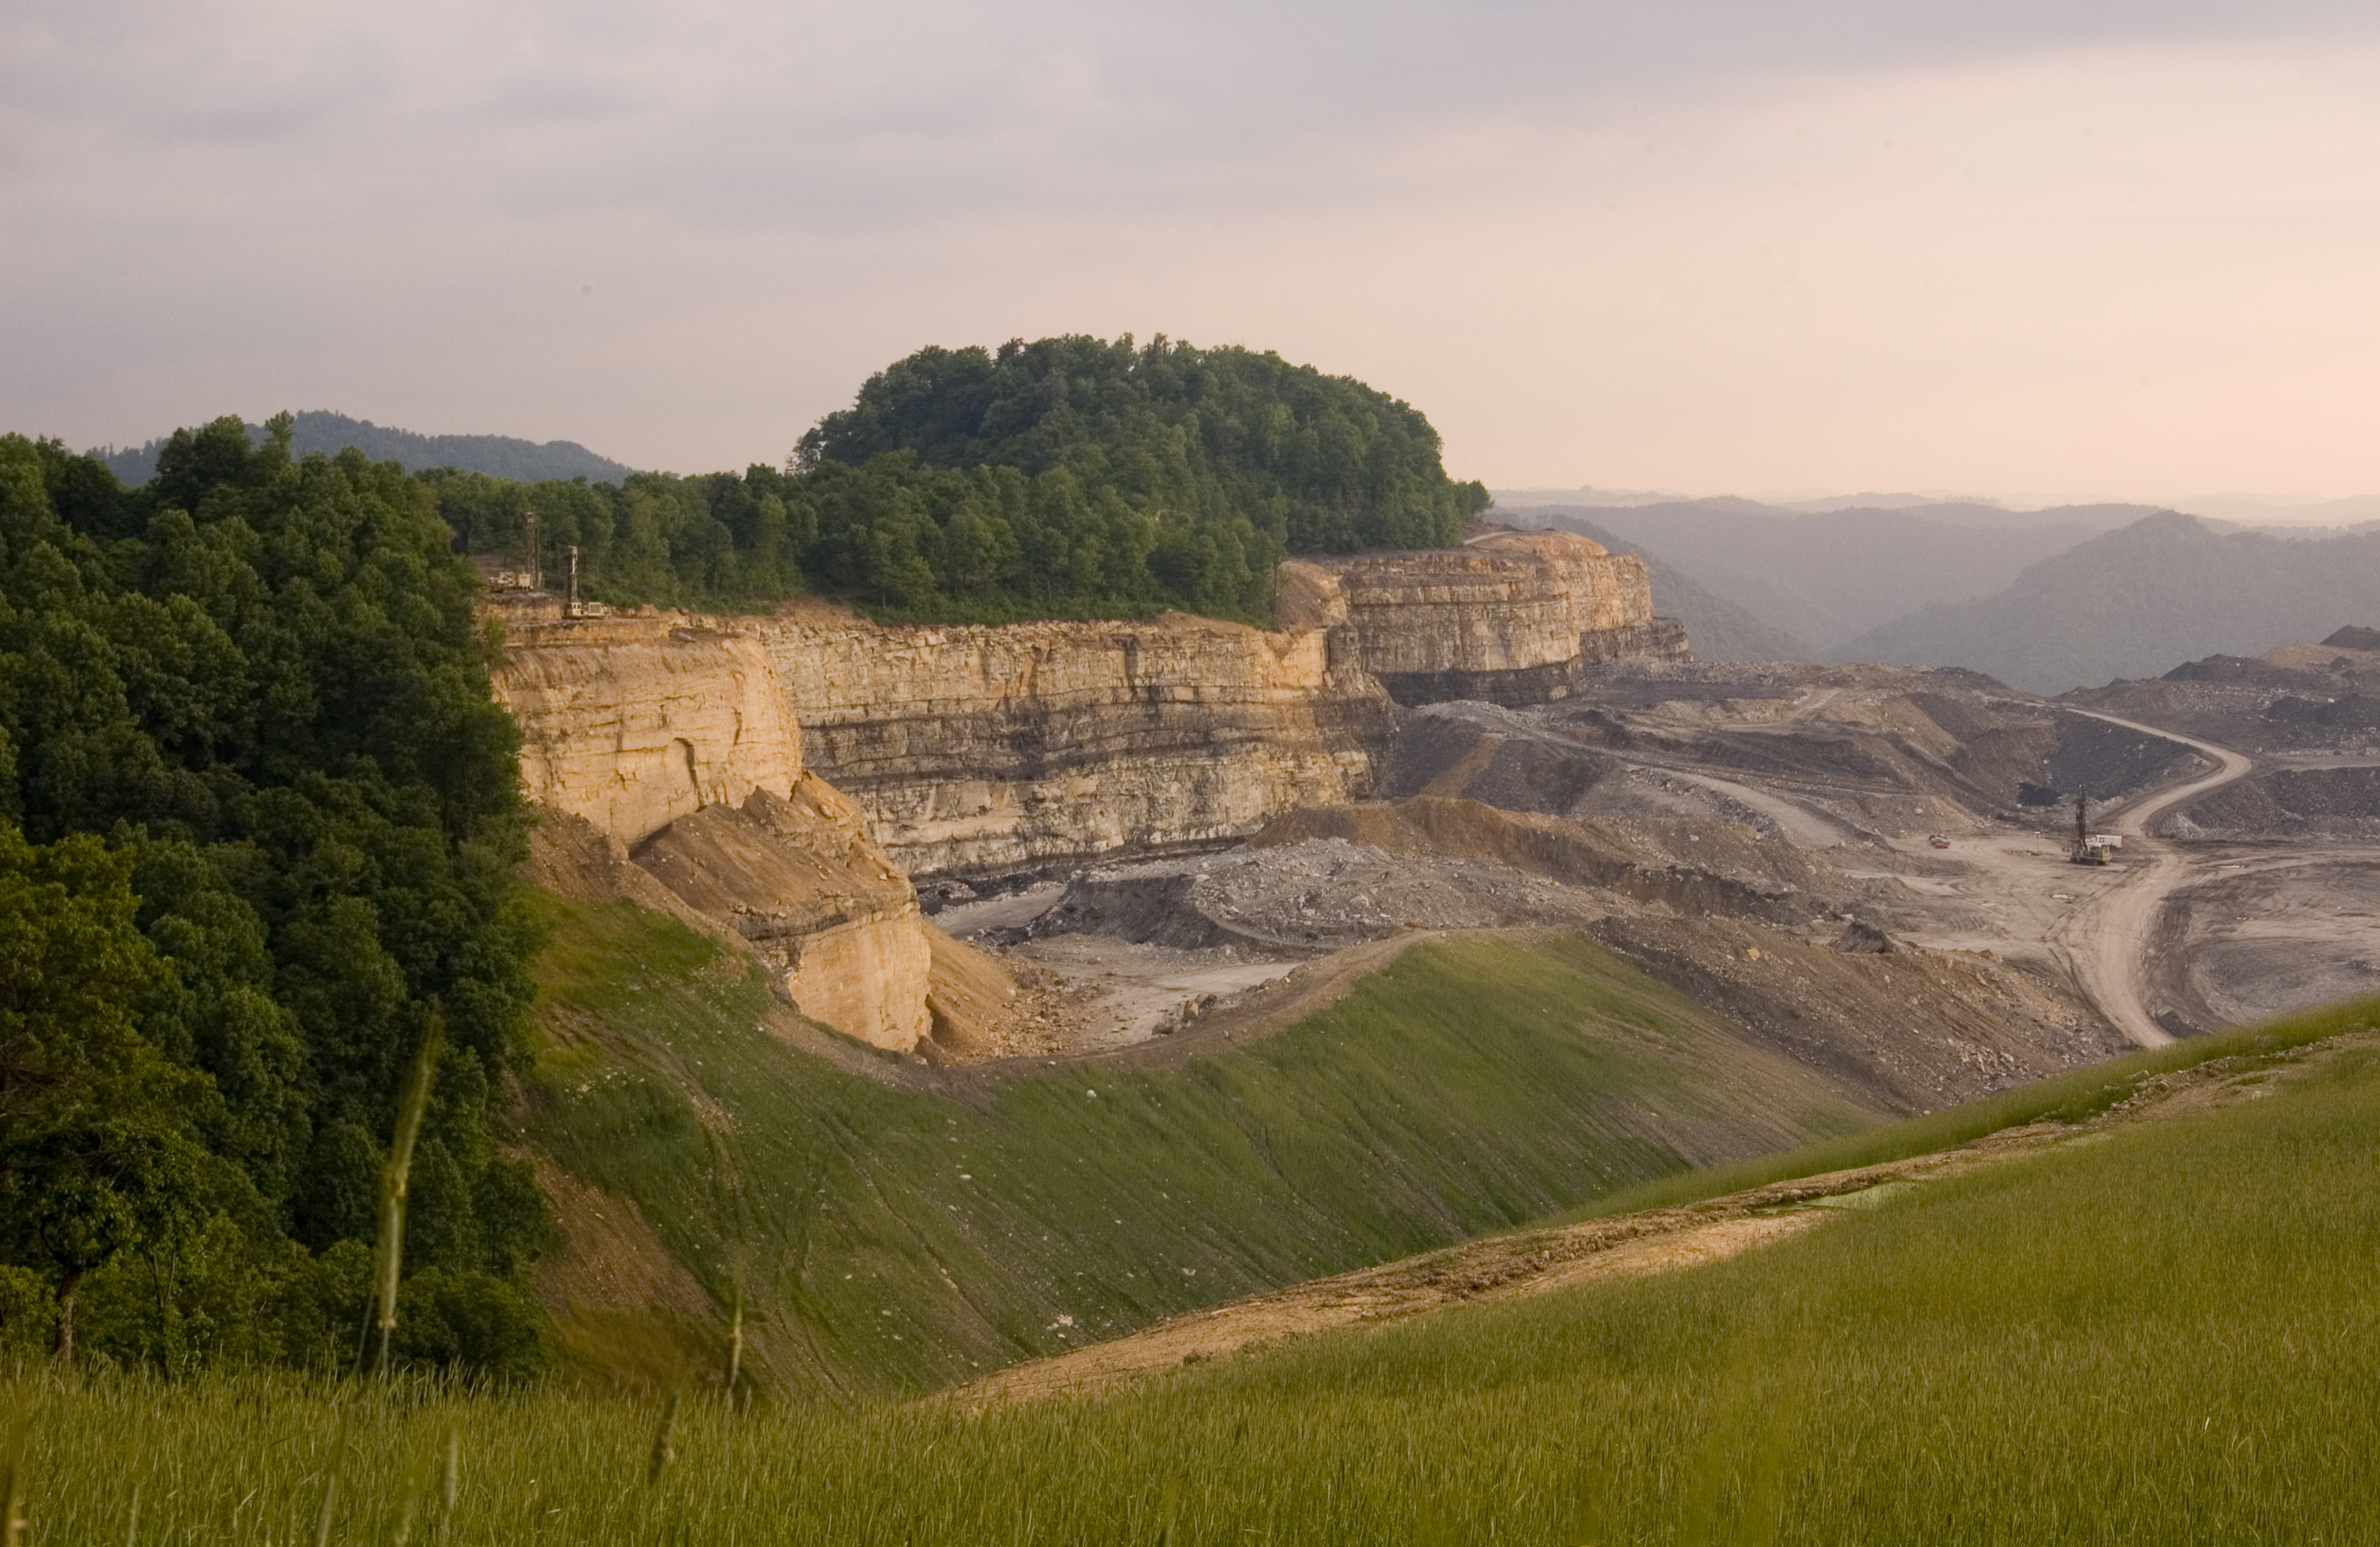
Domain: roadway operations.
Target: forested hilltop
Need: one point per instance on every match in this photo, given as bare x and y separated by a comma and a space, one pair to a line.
1066, 478
259, 815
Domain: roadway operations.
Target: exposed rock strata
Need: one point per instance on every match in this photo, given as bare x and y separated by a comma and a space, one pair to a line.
674, 743
779, 777
796, 876
981, 749
978, 749
1509, 618
633, 722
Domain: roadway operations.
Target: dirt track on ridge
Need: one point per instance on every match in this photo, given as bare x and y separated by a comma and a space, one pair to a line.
1624, 1246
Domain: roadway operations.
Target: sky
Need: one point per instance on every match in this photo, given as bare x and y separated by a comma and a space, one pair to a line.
2025, 249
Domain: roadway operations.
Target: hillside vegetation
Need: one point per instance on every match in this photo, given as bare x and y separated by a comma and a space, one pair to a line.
906, 1230
1069, 477
2138, 601
2164, 1334
257, 819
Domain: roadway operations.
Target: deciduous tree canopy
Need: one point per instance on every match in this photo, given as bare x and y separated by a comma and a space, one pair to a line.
258, 812
1070, 477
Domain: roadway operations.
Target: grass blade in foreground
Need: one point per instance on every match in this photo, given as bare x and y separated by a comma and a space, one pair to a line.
409, 1112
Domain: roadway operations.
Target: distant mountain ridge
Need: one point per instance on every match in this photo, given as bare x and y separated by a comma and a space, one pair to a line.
329, 434
2133, 601
1828, 577
1717, 628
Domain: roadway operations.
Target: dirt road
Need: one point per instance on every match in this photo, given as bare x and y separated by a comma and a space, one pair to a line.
1623, 1246
2106, 943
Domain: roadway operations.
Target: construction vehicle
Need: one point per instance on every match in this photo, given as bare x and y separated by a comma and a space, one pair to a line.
2091, 848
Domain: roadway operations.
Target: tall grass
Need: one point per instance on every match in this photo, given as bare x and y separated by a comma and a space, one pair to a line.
396, 1171
2072, 1097
2170, 1334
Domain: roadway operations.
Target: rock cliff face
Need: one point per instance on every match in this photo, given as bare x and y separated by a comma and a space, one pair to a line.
978, 749
1509, 618
973, 750
633, 722
796, 876
675, 740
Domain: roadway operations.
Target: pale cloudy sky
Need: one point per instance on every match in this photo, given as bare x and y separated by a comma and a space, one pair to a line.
2124, 248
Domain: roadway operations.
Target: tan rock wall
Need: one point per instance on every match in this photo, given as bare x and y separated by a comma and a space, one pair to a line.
1513, 602
979, 747
672, 736
798, 878
633, 722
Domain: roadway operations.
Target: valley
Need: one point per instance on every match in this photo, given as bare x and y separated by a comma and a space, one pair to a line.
1019, 864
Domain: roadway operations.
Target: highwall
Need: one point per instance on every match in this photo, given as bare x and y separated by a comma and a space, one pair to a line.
673, 738
978, 749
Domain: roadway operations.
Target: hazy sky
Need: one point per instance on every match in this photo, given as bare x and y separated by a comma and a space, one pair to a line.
1705, 245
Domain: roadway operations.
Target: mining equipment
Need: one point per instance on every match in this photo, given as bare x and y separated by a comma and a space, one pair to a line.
2091, 848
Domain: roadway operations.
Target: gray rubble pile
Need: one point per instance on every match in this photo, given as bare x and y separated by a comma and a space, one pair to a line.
1304, 898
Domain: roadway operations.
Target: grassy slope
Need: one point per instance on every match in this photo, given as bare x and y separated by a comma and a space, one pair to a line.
900, 1238
2168, 1334
2068, 1097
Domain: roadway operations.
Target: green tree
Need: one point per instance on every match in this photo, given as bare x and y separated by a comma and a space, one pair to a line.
98, 1151
260, 679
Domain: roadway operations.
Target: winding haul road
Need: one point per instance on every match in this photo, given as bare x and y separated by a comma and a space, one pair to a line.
2108, 939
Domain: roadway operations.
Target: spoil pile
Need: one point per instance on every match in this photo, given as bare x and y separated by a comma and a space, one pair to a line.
1304, 898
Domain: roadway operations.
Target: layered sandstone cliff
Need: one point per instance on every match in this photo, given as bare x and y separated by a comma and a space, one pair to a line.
982, 749
977, 749
675, 740
633, 722
1510, 619
970, 750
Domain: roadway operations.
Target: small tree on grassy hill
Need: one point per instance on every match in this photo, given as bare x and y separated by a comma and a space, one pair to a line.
96, 1152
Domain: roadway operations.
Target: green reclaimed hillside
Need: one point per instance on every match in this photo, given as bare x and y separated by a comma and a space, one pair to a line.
900, 1236
1070, 477
1324, 464
2165, 1334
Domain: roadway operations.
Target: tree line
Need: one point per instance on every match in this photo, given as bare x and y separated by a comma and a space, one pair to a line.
259, 815
1066, 478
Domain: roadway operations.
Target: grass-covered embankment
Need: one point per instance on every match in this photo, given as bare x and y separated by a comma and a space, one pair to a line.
2074, 1097
2169, 1334
897, 1238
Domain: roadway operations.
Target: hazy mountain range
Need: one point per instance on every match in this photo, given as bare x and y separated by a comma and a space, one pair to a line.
2140, 601
1829, 576
317, 431
1719, 629
2046, 600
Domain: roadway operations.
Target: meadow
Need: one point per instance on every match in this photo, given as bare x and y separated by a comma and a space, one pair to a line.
2165, 1331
